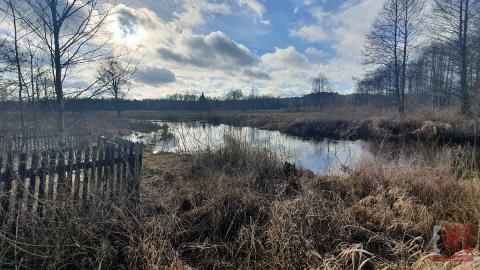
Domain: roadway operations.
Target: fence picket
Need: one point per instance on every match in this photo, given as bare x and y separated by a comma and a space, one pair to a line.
100, 168
70, 184
78, 170
93, 172
108, 170
20, 183
33, 181
51, 179
111, 169
42, 183
86, 183
39, 140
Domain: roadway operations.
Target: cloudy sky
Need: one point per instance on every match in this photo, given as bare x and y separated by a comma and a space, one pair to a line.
211, 46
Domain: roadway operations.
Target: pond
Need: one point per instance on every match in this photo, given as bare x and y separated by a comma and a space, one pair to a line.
323, 157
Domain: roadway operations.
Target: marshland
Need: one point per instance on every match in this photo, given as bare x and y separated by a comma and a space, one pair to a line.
239, 134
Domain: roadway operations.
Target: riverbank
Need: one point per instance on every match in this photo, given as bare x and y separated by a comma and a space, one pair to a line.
240, 207
350, 123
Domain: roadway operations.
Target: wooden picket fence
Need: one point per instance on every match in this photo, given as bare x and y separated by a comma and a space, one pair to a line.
42, 140
32, 183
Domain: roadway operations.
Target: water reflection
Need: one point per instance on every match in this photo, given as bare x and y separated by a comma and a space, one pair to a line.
324, 157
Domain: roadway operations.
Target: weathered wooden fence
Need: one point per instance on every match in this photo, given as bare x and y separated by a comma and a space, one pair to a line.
35, 182
40, 140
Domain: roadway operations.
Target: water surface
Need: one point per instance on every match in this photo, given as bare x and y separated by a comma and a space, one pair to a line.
323, 157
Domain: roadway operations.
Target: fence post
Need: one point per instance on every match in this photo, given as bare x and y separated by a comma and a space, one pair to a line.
111, 168
100, 168
124, 185
42, 184
139, 164
7, 187
20, 183
51, 179
78, 169
86, 183
70, 185
118, 168
93, 170
33, 181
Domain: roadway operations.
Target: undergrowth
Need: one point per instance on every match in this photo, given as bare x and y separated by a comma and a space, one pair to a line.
240, 207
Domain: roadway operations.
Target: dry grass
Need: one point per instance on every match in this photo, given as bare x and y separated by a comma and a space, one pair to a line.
377, 217
242, 208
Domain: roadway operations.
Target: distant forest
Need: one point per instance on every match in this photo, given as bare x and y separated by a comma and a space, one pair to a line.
193, 103
201, 103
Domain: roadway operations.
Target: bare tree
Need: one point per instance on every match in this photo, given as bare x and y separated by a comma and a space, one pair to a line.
452, 21
9, 8
411, 25
383, 44
7, 67
68, 31
321, 84
114, 76
234, 95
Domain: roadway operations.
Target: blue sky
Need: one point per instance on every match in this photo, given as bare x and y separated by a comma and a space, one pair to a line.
212, 46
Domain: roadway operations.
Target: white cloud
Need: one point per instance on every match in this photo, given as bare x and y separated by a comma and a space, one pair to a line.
213, 51
256, 7
312, 33
285, 58
155, 76
314, 55
345, 31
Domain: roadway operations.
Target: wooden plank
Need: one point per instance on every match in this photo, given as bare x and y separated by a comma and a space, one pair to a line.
33, 181
124, 166
51, 177
62, 191
93, 172
42, 183
138, 169
78, 170
70, 185
86, 170
110, 168
20, 183
100, 169
118, 167
131, 168
115, 170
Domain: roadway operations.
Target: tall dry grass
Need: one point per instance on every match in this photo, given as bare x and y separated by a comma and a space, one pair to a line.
239, 207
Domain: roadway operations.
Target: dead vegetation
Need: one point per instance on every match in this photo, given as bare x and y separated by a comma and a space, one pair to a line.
240, 207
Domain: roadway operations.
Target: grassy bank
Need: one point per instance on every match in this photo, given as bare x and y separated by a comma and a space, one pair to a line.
336, 123
241, 208
344, 123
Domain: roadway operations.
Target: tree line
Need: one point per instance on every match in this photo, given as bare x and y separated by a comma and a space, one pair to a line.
425, 51
191, 102
46, 44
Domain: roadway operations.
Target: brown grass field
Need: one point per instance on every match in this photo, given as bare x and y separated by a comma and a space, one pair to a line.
243, 208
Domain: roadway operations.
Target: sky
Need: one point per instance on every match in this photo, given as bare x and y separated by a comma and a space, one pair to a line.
274, 46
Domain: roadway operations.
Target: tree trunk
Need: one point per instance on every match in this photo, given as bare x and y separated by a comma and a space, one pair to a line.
58, 75
19, 70
463, 59
396, 67
404, 63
